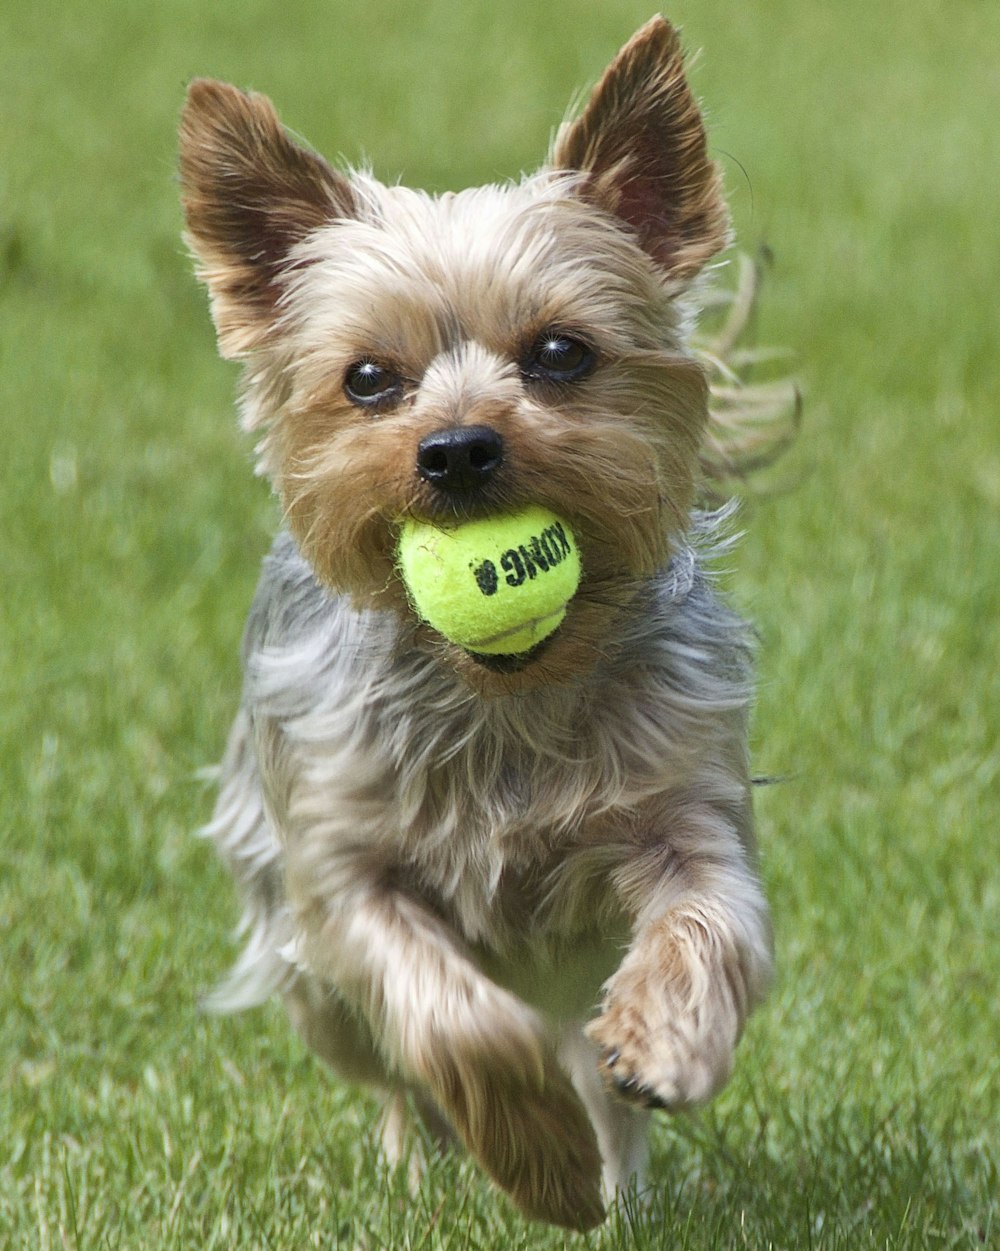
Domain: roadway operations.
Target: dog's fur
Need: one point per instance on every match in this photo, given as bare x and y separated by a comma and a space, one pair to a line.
519, 897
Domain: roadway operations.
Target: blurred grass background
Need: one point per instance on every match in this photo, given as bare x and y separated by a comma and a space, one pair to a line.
859, 145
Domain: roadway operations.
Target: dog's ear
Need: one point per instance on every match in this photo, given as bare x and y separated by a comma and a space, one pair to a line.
250, 195
640, 142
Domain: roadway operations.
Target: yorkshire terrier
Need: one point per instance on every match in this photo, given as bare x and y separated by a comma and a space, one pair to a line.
517, 894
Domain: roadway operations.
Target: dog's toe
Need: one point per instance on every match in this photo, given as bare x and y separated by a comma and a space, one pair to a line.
627, 1085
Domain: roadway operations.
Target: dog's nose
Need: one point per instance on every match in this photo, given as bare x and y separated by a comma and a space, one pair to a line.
460, 458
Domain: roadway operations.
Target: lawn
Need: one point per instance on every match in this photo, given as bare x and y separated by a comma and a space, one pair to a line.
859, 142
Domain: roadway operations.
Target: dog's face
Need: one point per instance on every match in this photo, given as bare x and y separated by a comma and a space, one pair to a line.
464, 355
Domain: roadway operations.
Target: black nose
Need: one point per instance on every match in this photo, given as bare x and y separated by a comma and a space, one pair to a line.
461, 458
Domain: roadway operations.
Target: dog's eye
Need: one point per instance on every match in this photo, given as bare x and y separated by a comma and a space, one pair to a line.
367, 382
556, 357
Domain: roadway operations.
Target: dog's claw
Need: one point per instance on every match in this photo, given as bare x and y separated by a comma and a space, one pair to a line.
634, 1091
628, 1085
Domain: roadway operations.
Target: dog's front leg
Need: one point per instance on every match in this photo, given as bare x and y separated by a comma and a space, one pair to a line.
480, 1052
700, 957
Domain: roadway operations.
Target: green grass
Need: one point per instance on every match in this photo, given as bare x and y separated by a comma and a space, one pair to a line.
859, 141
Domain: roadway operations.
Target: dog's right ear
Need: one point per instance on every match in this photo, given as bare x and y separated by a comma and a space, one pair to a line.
250, 195
641, 148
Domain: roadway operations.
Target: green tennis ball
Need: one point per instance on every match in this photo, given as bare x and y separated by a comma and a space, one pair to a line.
496, 586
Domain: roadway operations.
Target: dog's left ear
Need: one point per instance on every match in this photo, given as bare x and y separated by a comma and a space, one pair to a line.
250, 195
640, 142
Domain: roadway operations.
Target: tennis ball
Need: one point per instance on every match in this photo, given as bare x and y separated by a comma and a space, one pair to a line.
496, 586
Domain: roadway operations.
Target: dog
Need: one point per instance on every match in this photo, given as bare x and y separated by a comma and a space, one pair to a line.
517, 894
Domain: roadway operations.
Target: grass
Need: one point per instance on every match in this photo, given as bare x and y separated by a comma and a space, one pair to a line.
866, 1104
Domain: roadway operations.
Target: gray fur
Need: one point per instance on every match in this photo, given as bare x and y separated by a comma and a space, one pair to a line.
347, 726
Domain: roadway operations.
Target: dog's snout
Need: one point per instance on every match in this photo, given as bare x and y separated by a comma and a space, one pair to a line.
460, 458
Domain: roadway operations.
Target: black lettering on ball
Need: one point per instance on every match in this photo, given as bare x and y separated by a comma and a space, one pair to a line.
558, 536
486, 577
529, 565
511, 564
538, 554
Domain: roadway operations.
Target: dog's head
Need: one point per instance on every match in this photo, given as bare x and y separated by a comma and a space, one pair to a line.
463, 355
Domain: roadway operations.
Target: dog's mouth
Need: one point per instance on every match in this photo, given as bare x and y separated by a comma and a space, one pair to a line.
515, 662
498, 589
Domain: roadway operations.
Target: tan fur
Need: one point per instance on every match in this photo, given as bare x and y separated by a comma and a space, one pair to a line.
444, 861
250, 194
642, 144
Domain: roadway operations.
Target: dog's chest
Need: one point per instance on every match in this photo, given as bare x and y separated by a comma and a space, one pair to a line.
533, 902
511, 845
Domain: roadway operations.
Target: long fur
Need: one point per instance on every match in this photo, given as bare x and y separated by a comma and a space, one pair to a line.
521, 899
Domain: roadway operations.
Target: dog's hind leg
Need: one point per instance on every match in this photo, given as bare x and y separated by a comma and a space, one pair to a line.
336, 1034
622, 1128
412, 1129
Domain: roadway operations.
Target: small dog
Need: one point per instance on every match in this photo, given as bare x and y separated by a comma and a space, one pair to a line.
516, 894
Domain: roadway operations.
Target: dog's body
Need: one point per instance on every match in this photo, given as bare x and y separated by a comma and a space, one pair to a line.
446, 858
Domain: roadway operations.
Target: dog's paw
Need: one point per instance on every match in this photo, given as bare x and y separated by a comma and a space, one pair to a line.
662, 1059
552, 1164
500, 1086
664, 1044
536, 1142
